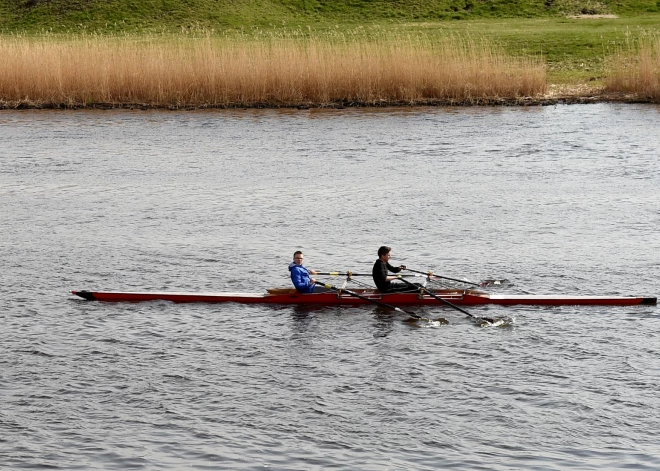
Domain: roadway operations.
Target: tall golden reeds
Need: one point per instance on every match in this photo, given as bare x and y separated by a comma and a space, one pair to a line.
210, 71
636, 70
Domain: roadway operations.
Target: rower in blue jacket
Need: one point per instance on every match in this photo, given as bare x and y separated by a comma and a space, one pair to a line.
300, 276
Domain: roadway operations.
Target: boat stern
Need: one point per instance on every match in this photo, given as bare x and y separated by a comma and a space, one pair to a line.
89, 296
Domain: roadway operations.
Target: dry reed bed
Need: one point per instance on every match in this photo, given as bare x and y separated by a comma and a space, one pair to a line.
637, 71
275, 72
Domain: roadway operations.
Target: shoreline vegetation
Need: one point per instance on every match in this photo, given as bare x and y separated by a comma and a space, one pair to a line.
64, 54
636, 72
280, 72
206, 71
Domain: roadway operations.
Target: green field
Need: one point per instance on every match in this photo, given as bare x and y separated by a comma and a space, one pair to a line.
575, 48
62, 15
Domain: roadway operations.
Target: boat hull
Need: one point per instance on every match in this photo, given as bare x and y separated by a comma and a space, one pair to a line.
286, 296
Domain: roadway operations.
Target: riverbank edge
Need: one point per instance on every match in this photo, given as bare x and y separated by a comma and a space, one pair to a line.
542, 100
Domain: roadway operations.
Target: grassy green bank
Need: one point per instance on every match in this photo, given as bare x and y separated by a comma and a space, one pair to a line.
121, 15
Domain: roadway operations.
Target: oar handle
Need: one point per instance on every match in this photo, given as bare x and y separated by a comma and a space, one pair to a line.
430, 274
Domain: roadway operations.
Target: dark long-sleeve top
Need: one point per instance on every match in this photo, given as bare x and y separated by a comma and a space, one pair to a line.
379, 273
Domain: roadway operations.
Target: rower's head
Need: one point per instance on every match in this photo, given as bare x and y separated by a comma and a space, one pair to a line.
298, 257
384, 253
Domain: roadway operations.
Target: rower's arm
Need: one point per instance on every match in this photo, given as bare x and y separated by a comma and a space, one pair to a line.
394, 270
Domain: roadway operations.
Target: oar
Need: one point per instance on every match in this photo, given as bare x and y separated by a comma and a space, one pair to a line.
350, 274
378, 303
431, 274
433, 295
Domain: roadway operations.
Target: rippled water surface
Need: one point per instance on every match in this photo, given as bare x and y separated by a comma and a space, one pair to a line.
558, 200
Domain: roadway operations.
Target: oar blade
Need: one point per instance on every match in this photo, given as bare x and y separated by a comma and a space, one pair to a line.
426, 321
494, 282
439, 321
504, 321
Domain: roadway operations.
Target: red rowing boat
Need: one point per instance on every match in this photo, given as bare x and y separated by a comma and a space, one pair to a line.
291, 296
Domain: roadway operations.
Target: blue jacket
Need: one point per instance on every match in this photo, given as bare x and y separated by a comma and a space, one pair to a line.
301, 279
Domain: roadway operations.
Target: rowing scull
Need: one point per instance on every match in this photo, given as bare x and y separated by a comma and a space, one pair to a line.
290, 296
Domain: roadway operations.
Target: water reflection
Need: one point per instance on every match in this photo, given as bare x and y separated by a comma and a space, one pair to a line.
384, 320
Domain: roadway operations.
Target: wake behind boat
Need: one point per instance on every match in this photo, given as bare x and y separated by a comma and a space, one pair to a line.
461, 297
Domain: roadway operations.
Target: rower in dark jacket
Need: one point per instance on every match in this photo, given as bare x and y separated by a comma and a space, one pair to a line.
382, 279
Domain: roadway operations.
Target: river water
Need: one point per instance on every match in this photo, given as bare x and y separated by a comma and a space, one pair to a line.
558, 200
